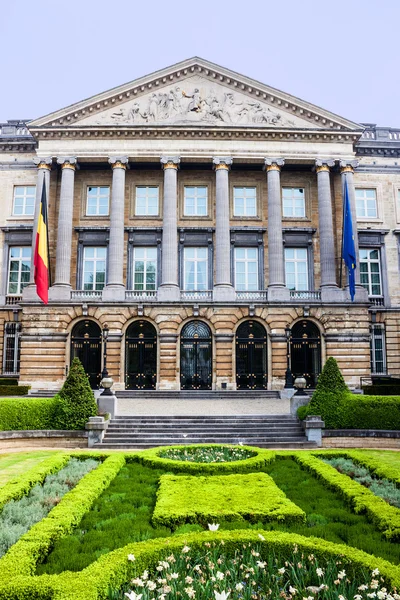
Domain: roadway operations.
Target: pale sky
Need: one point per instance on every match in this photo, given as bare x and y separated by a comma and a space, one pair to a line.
341, 55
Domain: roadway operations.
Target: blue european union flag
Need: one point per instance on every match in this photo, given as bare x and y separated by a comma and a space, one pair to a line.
349, 251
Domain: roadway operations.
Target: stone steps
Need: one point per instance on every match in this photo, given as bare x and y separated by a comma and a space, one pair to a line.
282, 431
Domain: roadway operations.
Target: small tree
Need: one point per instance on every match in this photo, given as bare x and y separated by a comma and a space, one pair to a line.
77, 402
331, 389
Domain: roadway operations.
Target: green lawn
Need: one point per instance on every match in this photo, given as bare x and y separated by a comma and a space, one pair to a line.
13, 464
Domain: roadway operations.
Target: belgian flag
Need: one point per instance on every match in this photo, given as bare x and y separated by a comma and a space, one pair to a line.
41, 258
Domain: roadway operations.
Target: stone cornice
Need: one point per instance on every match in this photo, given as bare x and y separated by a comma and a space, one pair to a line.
176, 74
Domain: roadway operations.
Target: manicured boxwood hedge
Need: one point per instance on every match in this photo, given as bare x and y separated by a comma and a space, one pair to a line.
384, 516
14, 390
8, 381
151, 458
203, 499
382, 390
27, 413
114, 569
34, 545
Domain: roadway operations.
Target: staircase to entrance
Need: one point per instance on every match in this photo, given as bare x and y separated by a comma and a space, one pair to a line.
147, 419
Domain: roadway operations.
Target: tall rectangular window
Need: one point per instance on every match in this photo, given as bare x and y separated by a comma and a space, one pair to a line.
370, 271
293, 202
244, 202
296, 268
246, 269
195, 201
11, 348
24, 200
19, 269
195, 269
144, 269
94, 267
378, 349
146, 201
98, 201
366, 204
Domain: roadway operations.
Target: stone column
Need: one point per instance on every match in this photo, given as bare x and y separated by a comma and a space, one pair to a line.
329, 286
347, 171
62, 284
223, 288
43, 178
277, 289
115, 288
169, 288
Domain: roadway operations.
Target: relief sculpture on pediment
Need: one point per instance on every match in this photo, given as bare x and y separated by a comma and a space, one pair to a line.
197, 105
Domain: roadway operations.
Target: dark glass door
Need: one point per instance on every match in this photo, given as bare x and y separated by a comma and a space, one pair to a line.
196, 356
251, 356
86, 345
141, 356
305, 352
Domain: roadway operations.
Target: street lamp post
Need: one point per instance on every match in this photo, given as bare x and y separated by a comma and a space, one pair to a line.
106, 381
288, 374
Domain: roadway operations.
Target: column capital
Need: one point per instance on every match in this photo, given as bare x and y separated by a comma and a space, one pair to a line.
222, 162
170, 162
274, 164
67, 162
348, 166
118, 162
324, 164
43, 163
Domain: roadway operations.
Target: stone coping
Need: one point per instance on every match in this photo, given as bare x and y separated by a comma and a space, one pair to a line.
362, 433
42, 433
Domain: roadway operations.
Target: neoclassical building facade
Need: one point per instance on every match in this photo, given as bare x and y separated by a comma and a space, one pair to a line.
195, 215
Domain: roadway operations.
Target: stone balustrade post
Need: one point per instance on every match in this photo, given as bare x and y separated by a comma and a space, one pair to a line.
223, 288
61, 289
169, 288
277, 289
115, 288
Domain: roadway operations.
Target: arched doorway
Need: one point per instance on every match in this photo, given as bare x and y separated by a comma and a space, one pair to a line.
305, 351
196, 356
251, 356
86, 345
141, 356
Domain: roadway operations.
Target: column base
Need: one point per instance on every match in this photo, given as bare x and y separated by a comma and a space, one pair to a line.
29, 293
113, 293
168, 293
278, 293
224, 293
60, 291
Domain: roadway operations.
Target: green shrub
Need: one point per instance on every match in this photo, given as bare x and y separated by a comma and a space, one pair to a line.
14, 390
253, 497
382, 390
77, 399
369, 412
28, 413
6, 381
330, 390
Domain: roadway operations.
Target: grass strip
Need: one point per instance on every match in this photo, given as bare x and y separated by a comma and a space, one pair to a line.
253, 497
32, 547
15, 463
21, 485
385, 517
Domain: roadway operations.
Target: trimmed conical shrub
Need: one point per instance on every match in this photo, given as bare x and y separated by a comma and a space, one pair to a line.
77, 402
331, 389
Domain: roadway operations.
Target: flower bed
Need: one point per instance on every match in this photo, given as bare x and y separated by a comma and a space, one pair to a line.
380, 487
253, 497
18, 516
209, 571
208, 454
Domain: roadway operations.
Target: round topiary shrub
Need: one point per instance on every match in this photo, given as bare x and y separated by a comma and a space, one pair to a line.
76, 399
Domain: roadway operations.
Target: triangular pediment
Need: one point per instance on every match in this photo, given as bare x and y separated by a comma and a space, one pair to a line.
195, 93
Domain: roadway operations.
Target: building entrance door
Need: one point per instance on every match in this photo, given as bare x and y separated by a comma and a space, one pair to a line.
86, 345
196, 356
141, 356
305, 351
251, 356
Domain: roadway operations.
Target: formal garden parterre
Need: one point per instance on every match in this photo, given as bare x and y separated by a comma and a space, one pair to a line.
114, 531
